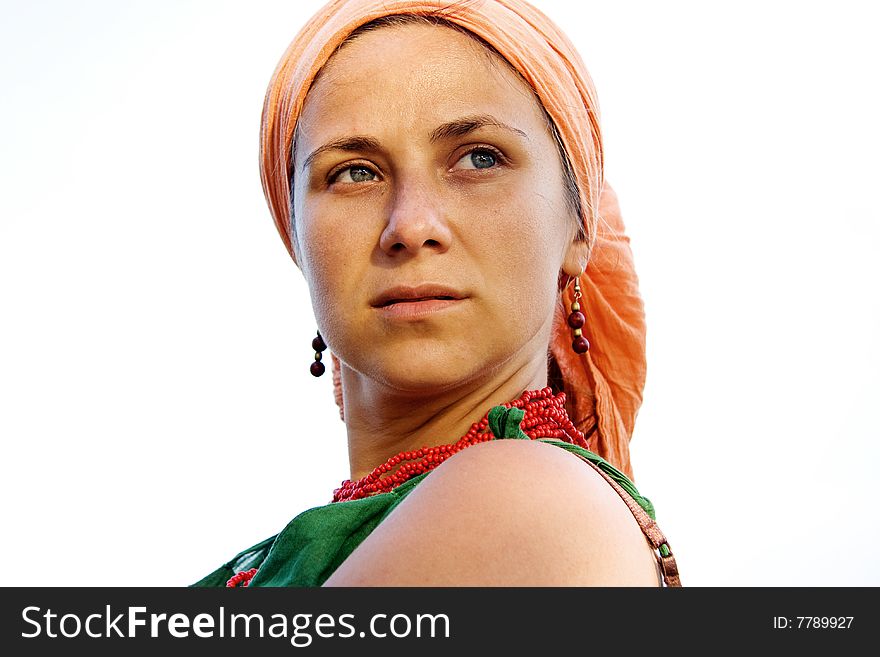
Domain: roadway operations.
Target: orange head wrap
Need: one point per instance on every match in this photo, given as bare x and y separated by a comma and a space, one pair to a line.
604, 386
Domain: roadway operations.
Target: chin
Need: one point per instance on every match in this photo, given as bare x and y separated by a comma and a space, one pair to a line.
427, 370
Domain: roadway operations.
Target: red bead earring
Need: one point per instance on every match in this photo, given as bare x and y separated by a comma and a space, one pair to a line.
318, 345
576, 320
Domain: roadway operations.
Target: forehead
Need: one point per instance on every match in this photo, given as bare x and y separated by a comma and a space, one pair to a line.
412, 78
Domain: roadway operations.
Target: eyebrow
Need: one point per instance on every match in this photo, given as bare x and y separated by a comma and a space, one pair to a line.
448, 130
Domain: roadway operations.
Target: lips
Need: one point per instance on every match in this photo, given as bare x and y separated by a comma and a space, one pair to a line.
409, 294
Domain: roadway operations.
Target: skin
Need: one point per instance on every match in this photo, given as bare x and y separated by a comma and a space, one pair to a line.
493, 224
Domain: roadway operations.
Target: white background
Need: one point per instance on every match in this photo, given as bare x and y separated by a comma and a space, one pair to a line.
156, 410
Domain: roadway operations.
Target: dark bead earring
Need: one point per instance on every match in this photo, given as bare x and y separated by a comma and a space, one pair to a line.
576, 320
318, 345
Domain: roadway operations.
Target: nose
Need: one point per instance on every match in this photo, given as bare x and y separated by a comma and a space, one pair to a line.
416, 221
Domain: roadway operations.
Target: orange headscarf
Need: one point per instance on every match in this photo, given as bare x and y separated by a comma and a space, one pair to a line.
604, 386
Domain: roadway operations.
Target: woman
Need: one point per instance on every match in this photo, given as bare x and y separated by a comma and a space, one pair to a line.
435, 171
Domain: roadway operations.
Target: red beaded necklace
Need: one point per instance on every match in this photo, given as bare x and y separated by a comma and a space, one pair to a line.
545, 417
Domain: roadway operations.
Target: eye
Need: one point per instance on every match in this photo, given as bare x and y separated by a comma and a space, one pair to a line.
356, 173
482, 157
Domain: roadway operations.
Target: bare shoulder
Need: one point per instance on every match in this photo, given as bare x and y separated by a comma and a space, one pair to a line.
506, 513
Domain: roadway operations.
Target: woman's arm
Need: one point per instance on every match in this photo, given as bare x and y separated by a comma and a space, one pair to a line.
506, 513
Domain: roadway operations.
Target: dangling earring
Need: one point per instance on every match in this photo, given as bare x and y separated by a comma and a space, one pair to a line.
576, 321
317, 368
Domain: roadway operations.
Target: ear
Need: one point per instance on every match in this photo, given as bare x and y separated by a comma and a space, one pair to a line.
577, 255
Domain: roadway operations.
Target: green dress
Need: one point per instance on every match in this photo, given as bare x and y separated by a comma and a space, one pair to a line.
316, 542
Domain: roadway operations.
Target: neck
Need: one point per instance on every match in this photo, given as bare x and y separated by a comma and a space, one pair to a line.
383, 422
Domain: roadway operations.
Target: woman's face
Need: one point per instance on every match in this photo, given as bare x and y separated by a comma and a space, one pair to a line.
424, 171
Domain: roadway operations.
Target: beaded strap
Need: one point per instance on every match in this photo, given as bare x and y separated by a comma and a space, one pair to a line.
649, 527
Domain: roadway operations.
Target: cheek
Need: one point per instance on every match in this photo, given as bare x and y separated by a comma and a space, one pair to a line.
335, 249
519, 232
